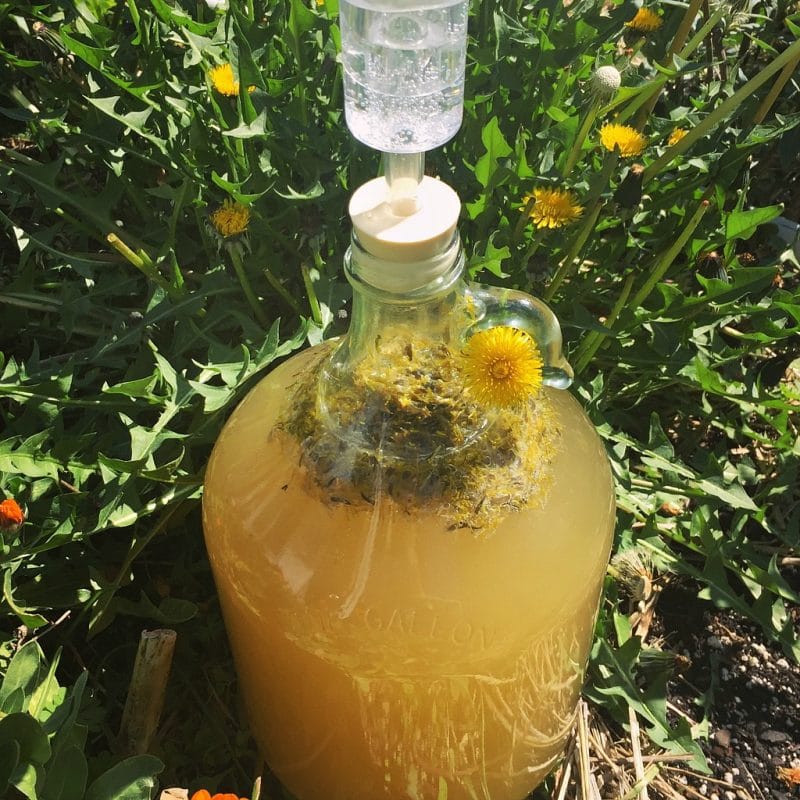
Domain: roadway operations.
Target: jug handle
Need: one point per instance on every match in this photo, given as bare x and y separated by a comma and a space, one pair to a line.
492, 306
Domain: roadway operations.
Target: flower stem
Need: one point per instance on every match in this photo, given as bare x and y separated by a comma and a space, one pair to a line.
729, 106
664, 262
141, 261
595, 340
281, 290
247, 288
678, 42
580, 139
701, 34
777, 88
567, 265
595, 203
316, 313
523, 219
536, 242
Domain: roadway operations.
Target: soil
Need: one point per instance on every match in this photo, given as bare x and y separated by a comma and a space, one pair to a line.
754, 693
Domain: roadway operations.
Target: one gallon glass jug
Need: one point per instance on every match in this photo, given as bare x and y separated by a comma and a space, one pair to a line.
409, 529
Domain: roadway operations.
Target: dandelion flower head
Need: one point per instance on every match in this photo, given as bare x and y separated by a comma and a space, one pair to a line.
629, 141
224, 81
231, 219
645, 21
553, 208
676, 136
11, 514
502, 366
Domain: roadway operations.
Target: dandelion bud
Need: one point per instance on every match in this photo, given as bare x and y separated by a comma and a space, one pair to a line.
605, 82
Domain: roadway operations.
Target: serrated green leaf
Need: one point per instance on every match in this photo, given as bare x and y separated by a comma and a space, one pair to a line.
743, 224
496, 148
249, 130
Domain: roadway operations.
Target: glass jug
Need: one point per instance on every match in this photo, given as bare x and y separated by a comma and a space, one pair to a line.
410, 574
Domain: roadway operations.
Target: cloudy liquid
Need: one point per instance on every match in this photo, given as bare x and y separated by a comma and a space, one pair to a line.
383, 655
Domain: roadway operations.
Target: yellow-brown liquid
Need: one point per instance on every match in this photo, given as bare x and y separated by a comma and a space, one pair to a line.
383, 654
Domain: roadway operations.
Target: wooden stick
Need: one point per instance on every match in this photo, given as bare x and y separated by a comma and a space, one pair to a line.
664, 757
146, 690
637, 754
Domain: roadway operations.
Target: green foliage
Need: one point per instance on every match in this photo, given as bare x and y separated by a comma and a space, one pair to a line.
42, 739
121, 357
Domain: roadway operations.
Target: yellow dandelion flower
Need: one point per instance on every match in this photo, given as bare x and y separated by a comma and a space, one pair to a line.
676, 136
231, 219
629, 141
552, 208
645, 21
502, 366
224, 81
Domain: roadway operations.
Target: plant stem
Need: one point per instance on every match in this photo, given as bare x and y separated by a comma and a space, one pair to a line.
729, 106
281, 290
316, 313
536, 242
567, 265
577, 146
247, 288
595, 203
594, 340
523, 219
141, 261
678, 42
777, 88
664, 262
701, 34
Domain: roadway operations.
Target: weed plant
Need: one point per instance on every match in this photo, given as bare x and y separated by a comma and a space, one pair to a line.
173, 229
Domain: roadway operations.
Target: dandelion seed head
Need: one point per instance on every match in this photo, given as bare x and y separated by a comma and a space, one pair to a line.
604, 82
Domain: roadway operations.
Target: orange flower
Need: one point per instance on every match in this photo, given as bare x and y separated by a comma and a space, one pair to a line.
203, 794
11, 514
791, 775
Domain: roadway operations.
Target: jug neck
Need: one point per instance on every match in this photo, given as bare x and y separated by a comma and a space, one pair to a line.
422, 297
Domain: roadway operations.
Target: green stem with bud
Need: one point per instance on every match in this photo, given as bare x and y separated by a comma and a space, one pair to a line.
580, 139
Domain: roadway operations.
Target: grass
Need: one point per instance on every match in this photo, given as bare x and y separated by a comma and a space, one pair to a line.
131, 325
